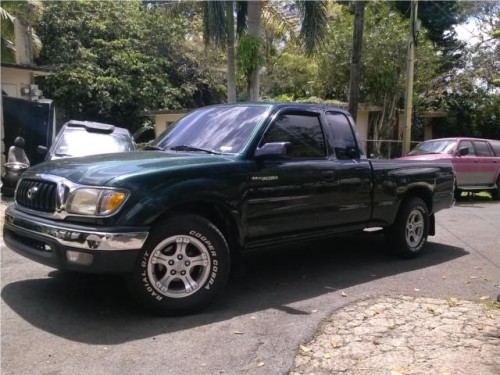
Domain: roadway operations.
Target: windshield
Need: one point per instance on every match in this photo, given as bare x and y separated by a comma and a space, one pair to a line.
225, 129
443, 146
80, 142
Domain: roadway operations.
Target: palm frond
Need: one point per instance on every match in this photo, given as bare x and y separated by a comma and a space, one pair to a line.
37, 45
8, 51
314, 23
283, 24
241, 17
214, 22
8, 46
6, 16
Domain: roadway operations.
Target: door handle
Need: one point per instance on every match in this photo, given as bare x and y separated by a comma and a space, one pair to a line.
328, 175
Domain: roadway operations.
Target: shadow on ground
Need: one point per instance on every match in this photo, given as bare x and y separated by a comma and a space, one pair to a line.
97, 310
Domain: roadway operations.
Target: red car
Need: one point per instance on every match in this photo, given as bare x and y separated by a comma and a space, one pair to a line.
476, 161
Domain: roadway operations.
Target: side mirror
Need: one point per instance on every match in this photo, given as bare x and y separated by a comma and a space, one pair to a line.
42, 150
463, 151
272, 150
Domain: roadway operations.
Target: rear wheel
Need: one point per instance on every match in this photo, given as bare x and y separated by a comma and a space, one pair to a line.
408, 235
183, 266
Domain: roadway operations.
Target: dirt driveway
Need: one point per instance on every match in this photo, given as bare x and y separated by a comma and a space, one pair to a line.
59, 323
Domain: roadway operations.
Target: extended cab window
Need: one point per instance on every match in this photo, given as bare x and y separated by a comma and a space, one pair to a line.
483, 148
303, 131
343, 135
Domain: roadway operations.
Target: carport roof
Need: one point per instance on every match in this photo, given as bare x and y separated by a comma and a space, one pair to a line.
35, 69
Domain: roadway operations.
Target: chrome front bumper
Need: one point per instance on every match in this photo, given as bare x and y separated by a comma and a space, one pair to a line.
79, 238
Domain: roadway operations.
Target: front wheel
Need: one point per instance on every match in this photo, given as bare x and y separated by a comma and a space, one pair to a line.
408, 234
182, 267
495, 194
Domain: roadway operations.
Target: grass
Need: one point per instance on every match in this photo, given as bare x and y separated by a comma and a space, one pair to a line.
482, 196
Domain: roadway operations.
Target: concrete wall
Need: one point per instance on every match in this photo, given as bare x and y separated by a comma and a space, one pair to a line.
22, 35
362, 122
14, 80
428, 133
164, 119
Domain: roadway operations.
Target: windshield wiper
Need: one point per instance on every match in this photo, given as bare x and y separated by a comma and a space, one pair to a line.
191, 148
151, 147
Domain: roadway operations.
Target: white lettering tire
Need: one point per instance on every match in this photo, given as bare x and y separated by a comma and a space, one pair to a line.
408, 234
182, 267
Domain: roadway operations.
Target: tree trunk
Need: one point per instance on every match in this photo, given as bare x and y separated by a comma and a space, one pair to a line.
384, 126
357, 42
231, 64
255, 29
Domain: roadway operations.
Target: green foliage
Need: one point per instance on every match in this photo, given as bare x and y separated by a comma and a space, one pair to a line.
8, 42
214, 22
249, 53
118, 60
283, 98
437, 17
290, 74
314, 24
474, 114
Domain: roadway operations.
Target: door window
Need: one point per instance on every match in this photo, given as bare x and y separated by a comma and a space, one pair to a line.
483, 148
302, 131
467, 144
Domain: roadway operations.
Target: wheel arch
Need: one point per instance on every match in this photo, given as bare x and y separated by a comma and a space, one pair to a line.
421, 192
219, 214
426, 195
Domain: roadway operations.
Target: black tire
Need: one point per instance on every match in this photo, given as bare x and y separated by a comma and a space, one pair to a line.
408, 234
182, 267
495, 193
7, 191
9, 182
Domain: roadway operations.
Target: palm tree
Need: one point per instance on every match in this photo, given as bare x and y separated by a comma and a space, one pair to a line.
254, 30
219, 28
313, 28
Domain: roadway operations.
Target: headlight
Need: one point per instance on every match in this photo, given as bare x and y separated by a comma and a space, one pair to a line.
100, 202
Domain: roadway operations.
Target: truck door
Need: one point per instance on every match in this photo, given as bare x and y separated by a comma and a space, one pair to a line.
292, 194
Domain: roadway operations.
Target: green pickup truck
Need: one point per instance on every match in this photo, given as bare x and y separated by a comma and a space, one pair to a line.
222, 181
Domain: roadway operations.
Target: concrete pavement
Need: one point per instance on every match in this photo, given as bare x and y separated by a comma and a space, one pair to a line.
59, 323
406, 335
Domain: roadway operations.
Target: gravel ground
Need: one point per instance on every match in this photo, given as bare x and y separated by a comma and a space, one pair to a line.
406, 335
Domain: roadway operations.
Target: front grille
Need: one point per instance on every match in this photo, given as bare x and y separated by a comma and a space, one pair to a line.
37, 195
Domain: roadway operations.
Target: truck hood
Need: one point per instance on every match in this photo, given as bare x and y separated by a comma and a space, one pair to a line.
99, 169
